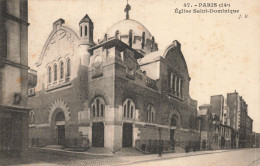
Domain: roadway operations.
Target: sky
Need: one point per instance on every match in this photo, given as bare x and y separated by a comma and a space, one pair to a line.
222, 51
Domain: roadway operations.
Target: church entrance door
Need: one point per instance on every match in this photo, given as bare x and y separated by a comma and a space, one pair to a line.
60, 124
61, 134
98, 134
172, 141
127, 134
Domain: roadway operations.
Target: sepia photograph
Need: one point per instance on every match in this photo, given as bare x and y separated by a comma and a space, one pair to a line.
130, 82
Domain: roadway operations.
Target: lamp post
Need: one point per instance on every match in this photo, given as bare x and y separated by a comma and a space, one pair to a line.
160, 146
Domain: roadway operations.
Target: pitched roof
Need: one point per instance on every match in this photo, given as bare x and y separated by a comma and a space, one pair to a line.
86, 18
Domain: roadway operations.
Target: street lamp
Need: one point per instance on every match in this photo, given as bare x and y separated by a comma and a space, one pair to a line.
200, 119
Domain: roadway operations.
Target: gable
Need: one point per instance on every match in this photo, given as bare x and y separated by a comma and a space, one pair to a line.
60, 43
175, 60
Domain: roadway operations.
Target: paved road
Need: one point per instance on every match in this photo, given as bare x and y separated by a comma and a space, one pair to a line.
37, 157
245, 157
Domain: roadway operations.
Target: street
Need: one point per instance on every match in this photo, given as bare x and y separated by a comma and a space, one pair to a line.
245, 157
240, 157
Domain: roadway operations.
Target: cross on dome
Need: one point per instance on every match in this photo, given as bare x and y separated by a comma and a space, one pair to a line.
127, 9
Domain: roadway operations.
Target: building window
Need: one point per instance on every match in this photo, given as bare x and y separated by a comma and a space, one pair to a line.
55, 72
81, 31
129, 109
181, 88
68, 68
150, 114
175, 85
86, 30
61, 70
130, 38
49, 74
98, 107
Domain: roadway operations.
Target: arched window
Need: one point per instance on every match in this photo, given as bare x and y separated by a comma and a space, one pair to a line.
143, 39
68, 68
130, 38
98, 107
61, 70
90, 31
81, 31
49, 74
191, 122
150, 114
173, 120
86, 30
32, 117
129, 109
55, 72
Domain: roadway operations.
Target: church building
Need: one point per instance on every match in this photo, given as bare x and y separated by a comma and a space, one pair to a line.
120, 91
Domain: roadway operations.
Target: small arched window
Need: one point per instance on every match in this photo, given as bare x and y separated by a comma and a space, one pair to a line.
117, 34
130, 38
61, 70
49, 74
32, 117
98, 107
81, 31
129, 109
55, 72
68, 68
150, 114
105, 37
86, 30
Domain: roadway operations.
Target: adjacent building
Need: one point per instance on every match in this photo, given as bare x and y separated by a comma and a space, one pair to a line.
250, 136
233, 102
215, 133
13, 77
119, 92
221, 116
227, 122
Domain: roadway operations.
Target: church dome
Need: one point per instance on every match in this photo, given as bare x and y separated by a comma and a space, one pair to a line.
134, 34
126, 25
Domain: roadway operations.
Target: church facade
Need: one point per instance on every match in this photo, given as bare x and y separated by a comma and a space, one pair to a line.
121, 91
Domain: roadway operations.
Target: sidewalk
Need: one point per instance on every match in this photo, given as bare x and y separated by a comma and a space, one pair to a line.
154, 157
